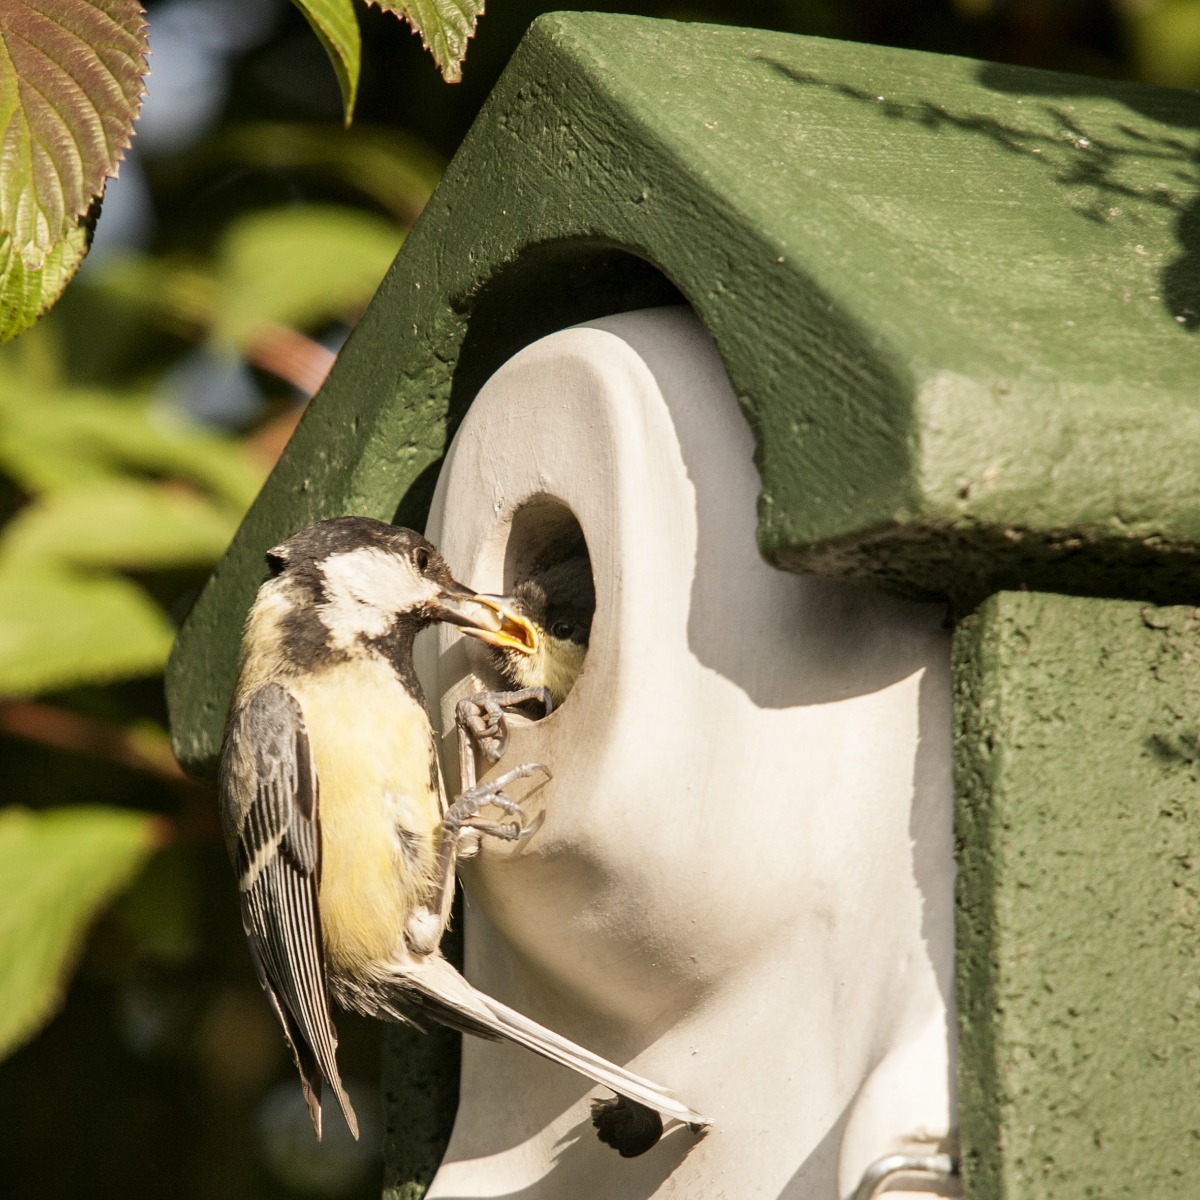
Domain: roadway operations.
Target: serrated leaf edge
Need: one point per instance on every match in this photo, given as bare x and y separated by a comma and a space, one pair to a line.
42, 247
452, 68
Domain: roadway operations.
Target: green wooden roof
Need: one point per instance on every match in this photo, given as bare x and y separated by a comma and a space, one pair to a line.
958, 301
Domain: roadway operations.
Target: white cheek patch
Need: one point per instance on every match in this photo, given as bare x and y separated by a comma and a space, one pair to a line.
366, 588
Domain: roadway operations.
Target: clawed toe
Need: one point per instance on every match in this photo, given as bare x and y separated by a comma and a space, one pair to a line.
484, 717
464, 812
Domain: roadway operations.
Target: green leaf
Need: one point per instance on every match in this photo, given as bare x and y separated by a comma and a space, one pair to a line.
70, 89
299, 267
445, 27
67, 438
26, 292
57, 869
173, 286
123, 523
59, 628
334, 23
396, 171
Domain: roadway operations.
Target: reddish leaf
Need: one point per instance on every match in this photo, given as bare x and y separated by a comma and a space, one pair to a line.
70, 89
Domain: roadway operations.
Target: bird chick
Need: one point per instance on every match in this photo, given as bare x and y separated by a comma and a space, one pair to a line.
559, 601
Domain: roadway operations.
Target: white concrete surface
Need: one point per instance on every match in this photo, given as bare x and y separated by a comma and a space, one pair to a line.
743, 887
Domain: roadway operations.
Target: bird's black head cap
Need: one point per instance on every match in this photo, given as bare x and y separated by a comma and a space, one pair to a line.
339, 535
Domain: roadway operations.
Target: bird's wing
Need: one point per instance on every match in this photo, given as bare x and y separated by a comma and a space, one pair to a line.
269, 809
432, 986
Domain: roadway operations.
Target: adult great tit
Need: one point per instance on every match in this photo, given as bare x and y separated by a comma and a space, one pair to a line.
334, 810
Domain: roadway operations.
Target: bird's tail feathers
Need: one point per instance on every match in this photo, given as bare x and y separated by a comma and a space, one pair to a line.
569, 1054
433, 985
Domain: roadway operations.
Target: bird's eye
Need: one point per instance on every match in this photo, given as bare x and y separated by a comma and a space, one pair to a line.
421, 558
562, 630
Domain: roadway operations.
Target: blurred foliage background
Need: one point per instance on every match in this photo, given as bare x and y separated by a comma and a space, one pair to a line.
247, 231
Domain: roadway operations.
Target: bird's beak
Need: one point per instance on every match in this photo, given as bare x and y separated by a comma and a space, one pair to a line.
489, 618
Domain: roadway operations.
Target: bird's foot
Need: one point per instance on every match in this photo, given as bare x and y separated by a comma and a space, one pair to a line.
484, 717
463, 820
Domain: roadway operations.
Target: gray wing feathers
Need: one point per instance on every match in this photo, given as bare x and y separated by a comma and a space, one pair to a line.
269, 810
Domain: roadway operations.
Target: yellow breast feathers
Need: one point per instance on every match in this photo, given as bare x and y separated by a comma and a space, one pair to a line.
380, 806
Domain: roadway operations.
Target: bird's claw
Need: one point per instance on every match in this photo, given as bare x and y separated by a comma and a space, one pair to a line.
463, 814
484, 717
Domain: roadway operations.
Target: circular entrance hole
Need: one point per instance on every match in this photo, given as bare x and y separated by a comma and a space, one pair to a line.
548, 574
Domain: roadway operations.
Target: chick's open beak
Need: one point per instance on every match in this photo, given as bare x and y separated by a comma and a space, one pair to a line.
489, 619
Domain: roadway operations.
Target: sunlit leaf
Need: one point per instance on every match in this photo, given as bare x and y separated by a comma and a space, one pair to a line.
299, 266
395, 170
70, 89
60, 627
334, 23
69, 93
445, 27
174, 290
57, 869
65, 439
123, 523
26, 292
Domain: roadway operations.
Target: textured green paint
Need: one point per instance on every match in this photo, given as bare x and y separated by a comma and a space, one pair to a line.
421, 1097
1078, 781
949, 312
420, 1092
